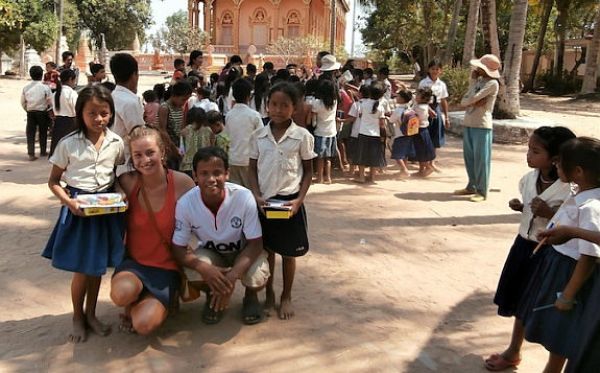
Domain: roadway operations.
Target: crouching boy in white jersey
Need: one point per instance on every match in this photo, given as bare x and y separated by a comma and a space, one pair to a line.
223, 217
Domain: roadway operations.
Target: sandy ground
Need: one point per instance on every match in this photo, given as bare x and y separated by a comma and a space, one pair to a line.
400, 278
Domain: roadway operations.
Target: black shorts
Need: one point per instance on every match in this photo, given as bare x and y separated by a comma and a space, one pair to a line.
286, 237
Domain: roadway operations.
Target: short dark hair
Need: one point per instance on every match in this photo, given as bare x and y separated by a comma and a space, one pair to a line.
181, 88
95, 68
204, 92
149, 96
193, 55
197, 116
51, 64
251, 68
67, 54
213, 117
194, 81
268, 66
205, 154
405, 94
123, 66
368, 71
287, 89
235, 59
384, 71
36, 72
178, 62
109, 85
242, 89
583, 152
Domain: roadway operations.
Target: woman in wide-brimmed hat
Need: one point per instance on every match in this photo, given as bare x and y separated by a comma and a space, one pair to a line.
477, 136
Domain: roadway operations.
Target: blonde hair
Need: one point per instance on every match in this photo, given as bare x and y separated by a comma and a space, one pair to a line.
162, 139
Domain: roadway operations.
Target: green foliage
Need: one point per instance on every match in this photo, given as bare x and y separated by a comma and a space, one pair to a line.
457, 81
118, 20
294, 49
560, 85
33, 19
176, 36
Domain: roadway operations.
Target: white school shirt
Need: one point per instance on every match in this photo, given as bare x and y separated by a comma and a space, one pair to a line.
422, 111
325, 124
36, 96
68, 98
396, 118
206, 105
554, 196
369, 122
129, 111
240, 123
226, 232
581, 210
85, 167
279, 164
355, 111
263, 107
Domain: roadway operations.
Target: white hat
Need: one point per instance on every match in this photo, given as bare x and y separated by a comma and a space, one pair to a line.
490, 64
329, 63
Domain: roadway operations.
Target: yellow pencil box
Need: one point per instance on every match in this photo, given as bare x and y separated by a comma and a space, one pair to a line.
276, 209
101, 203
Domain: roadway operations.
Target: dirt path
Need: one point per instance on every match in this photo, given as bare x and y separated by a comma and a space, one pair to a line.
400, 278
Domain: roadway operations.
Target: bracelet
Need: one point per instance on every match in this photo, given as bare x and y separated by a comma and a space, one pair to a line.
565, 301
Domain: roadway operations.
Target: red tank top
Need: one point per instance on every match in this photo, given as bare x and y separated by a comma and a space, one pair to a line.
144, 243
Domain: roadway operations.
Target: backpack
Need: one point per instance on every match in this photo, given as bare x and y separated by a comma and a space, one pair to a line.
410, 123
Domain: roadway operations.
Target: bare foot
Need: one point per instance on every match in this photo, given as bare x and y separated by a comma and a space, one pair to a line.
286, 309
360, 180
126, 326
78, 334
403, 175
269, 301
97, 327
327, 181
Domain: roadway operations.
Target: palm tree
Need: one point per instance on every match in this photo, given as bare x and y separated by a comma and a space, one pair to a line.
471, 32
560, 30
591, 60
449, 51
529, 85
490, 27
508, 99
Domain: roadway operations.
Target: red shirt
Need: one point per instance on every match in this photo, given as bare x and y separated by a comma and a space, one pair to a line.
51, 78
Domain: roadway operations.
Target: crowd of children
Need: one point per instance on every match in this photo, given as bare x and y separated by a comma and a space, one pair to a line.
268, 129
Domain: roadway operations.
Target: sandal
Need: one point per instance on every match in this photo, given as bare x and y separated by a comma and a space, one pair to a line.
125, 326
497, 362
252, 311
210, 316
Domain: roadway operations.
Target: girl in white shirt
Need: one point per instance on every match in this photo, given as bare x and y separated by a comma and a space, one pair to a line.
63, 104
542, 193
563, 280
325, 106
424, 150
370, 149
84, 245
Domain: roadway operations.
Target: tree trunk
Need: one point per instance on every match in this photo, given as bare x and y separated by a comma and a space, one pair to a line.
449, 51
560, 27
490, 27
471, 32
529, 86
591, 60
508, 102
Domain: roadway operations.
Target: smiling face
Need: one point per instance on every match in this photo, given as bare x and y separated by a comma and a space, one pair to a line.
211, 175
96, 115
537, 155
146, 154
435, 72
280, 107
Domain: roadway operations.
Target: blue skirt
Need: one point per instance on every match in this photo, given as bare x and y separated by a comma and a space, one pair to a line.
325, 146
516, 274
370, 151
86, 245
557, 331
436, 127
424, 149
403, 147
351, 149
162, 283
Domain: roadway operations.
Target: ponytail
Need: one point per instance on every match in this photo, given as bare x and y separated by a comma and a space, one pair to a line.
65, 76
375, 106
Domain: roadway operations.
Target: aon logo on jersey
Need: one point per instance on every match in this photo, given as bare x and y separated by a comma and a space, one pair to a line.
231, 247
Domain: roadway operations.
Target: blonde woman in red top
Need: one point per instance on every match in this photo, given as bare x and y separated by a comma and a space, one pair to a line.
146, 282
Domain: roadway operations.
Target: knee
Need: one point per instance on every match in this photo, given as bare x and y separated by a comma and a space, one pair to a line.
123, 292
144, 326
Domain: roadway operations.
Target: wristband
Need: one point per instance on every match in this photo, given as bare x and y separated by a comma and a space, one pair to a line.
561, 299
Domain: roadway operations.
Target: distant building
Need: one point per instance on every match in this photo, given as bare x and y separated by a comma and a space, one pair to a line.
234, 25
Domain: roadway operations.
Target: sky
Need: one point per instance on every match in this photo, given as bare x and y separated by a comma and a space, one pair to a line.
161, 9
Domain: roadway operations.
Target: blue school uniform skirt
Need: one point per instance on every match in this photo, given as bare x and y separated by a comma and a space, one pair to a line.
162, 283
86, 244
351, 148
325, 147
516, 274
370, 151
286, 237
403, 147
436, 127
587, 359
557, 331
424, 149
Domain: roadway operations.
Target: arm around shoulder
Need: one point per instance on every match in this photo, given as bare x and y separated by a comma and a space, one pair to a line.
183, 183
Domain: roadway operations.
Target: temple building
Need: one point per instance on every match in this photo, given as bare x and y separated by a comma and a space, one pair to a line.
234, 25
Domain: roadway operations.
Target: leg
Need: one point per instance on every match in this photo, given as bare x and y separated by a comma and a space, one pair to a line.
286, 310
254, 280
328, 171
93, 287
342, 148
78, 289
270, 293
125, 290
30, 133
511, 357
43, 128
320, 165
469, 156
403, 168
555, 363
482, 146
361, 174
147, 315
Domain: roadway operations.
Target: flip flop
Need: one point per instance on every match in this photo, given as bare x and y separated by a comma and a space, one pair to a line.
210, 316
252, 311
497, 362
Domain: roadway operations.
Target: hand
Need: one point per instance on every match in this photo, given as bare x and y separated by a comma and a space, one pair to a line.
295, 204
215, 278
474, 74
515, 204
260, 202
220, 302
480, 103
73, 206
562, 304
556, 236
540, 208
446, 122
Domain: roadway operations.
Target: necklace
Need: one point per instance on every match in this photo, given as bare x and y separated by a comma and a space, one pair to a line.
544, 181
